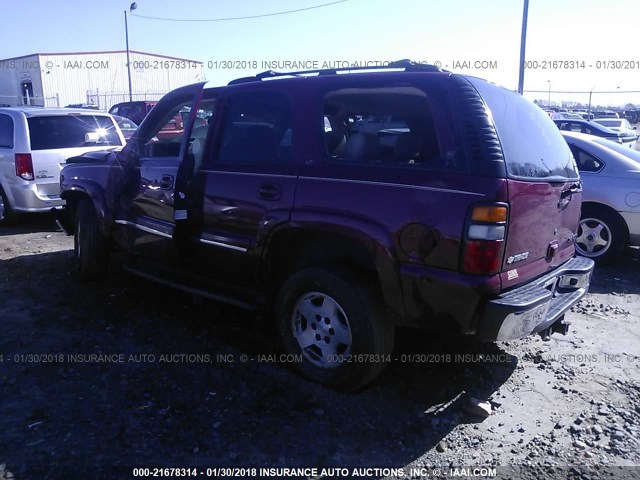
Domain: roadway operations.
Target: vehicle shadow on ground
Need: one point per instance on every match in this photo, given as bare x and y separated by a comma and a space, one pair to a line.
621, 276
32, 223
202, 405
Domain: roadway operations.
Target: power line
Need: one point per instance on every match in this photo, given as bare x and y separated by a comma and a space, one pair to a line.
585, 92
286, 12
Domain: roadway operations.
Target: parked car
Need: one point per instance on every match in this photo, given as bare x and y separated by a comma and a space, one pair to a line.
610, 174
127, 127
34, 145
566, 116
593, 128
137, 112
606, 114
83, 105
619, 125
634, 116
469, 193
134, 111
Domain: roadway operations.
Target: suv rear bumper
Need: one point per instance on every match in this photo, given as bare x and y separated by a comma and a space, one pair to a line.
25, 197
537, 305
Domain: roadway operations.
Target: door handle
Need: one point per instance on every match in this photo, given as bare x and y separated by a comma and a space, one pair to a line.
166, 182
575, 188
270, 191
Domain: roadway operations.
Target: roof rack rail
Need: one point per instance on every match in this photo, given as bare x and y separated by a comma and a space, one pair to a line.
407, 65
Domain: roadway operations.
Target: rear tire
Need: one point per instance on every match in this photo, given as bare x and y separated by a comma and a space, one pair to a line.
602, 234
336, 323
8, 215
89, 244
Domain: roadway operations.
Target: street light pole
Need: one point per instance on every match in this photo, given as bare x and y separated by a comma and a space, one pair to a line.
589, 111
549, 97
126, 33
523, 41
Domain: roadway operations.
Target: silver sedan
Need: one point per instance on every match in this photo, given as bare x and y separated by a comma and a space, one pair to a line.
610, 175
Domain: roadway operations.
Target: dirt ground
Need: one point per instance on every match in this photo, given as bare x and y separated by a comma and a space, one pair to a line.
178, 383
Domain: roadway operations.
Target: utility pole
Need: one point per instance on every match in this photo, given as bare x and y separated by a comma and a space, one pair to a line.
523, 42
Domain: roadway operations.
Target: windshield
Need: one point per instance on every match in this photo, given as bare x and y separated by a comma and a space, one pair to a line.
69, 131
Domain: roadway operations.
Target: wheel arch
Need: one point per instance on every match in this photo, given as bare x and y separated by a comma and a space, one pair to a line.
91, 192
291, 248
610, 210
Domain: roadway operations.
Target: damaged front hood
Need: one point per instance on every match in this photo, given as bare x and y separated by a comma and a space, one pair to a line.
100, 156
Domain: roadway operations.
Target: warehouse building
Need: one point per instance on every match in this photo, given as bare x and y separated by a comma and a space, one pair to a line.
95, 78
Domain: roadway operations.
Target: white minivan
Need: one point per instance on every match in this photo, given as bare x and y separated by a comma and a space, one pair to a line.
35, 144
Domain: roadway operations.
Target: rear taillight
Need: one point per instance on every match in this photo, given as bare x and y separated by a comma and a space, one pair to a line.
485, 234
24, 166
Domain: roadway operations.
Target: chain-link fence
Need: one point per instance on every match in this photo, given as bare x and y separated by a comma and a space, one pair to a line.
104, 101
17, 100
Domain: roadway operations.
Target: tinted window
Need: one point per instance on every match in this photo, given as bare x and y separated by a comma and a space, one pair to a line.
388, 126
257, 129
585, 161
168, 135
6, 131
68, 131
132, 111
532, 145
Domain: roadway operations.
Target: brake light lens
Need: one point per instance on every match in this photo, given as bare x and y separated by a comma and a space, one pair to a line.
24, 166
483, 256
484, 239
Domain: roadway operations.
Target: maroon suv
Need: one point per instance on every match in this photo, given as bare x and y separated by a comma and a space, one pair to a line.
346, 204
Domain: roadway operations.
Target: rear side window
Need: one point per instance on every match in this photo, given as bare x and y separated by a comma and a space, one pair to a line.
257, 129
532, 144
6, 131
388, 126
69, 131
585, 161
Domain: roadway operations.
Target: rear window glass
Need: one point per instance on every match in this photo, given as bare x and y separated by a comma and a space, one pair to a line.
389, 126
68, 131
532, 144
610, 123
6, 131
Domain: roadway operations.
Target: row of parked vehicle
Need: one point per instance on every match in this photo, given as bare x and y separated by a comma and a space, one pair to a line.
344, 205
632, 116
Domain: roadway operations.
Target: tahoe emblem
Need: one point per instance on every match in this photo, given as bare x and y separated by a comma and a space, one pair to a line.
517, 257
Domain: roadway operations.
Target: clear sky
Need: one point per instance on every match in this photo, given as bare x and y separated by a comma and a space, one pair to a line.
604, 35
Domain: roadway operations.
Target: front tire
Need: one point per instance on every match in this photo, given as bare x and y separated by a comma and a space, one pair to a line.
89, 244
335, 322
602, 234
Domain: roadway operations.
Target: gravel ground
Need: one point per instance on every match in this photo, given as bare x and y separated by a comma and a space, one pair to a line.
168, 385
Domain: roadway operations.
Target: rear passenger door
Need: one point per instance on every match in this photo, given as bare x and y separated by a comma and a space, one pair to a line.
247, 182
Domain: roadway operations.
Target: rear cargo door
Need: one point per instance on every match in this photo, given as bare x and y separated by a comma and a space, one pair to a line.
544, 190
55, 138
